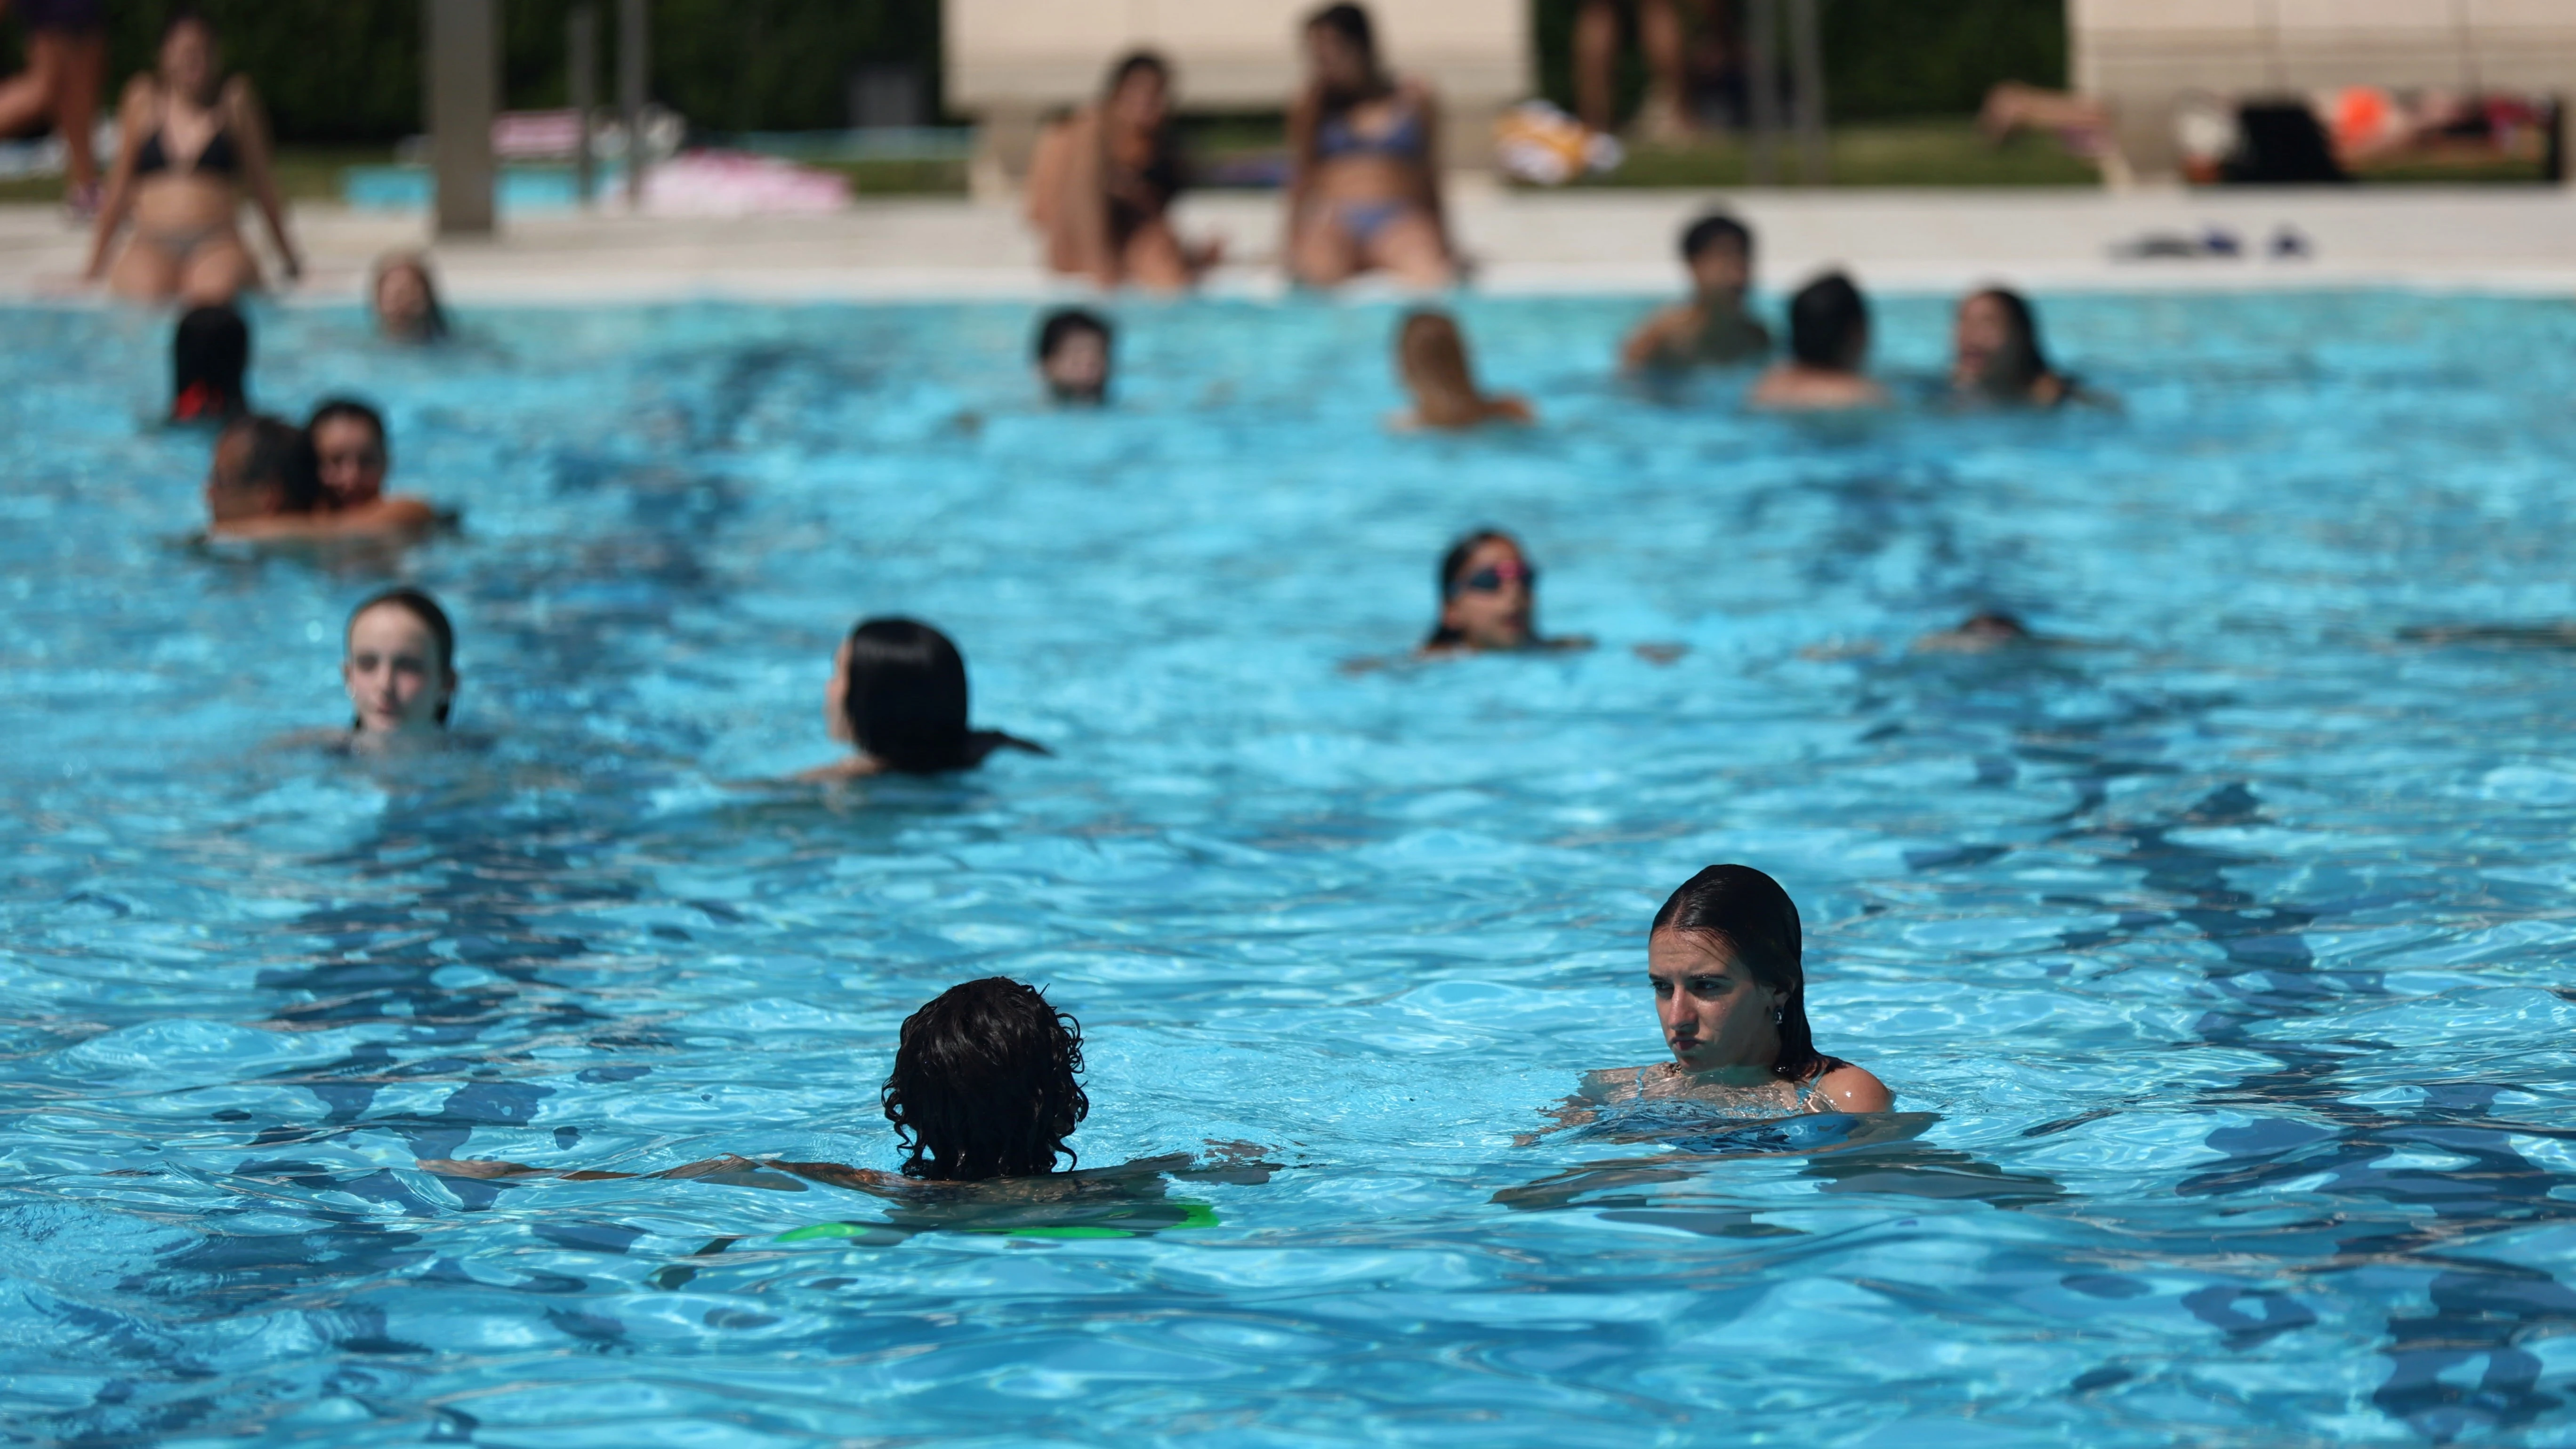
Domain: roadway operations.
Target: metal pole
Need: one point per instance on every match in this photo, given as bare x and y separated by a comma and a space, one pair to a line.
581, 42
464, 85
631, 71
1762, 68
1807, 63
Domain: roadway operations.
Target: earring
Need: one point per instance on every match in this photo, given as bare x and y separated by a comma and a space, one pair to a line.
1779, 1016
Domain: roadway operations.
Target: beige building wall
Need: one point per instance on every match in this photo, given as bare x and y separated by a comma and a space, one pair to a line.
1010, 61
2142, 54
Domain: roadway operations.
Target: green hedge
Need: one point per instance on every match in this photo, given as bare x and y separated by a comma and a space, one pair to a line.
347, 71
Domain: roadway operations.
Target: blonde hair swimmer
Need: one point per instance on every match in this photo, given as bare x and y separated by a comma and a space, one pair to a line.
1431, 359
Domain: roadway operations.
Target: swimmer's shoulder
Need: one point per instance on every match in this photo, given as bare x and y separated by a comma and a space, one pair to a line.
1853, 1089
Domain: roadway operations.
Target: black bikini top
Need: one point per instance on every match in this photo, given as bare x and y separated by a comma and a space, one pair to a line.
219, 155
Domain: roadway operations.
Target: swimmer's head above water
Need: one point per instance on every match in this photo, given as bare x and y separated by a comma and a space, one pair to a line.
1431, 360
350, 451
399, 665
1073, 355
1488, 595
1718, 249
404, 298
898, 693
1996, 349
1829, 325
1725, 955
262, 468
986, 1083
209, 357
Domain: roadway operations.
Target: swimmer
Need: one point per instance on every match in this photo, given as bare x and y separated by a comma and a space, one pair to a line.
1980, 633
1998, 359
1431, 358
209, 356
1712, 328
1363, 164
402, 297
986, 1089
264, 484
1489, 600
1724, 958
1828, 343
398, 662
1102, 181
1073, 356
898, 693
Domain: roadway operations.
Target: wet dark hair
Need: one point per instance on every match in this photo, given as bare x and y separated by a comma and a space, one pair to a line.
424, 608
209, 354
1063, 322
1713, 228
279, 454
1133, 62
1758, 923
907, 697
433, 320
2024, 361
349, 407
1994, 624
1826, 322
1453, 568
985, 1084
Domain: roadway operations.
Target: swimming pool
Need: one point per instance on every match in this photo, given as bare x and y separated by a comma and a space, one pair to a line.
2228, 952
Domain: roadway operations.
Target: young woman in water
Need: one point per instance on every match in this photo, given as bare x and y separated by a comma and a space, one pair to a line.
1363, 168
1101, 185
402, 297
1724, 957
1489, 600
1431, 358
1073, 355
898, 693
209, 360
1712, 328
1828, 345
266, 484
192, 143
1997, 357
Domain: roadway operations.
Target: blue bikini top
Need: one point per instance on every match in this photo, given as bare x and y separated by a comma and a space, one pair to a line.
1403, 140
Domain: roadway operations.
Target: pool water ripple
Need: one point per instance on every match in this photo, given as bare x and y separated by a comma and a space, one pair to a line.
2220, 959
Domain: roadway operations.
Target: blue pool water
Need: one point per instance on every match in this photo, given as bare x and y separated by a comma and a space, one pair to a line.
2225, 959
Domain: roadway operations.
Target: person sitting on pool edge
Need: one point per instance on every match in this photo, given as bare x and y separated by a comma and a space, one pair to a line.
402, 299
1488, 600
1828, 343
1712, 328
1073, 356
1725, 958
1431, 358
1102, 180
898, 693
209, 357
1997, 357
265, 484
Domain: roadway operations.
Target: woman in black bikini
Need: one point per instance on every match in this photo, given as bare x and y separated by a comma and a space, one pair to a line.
1363, 191
1102, 181
192, 142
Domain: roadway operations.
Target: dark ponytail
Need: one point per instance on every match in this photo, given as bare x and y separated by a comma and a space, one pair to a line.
1758, 923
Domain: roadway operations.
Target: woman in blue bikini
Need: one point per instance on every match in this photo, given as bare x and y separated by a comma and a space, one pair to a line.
1363, 184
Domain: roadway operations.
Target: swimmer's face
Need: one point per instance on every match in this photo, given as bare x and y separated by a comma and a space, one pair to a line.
1078, 369
836, 697
1490, 604
392, 672
228, 498
1143, 101
188, 59
1981, 339
1714, 1012
402, 301
1721, 267
1337, 64
352, 456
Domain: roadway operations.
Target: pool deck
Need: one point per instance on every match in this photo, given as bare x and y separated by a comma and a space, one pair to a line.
2519, 240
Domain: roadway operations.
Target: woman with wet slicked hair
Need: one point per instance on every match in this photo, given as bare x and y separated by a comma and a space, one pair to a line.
1725, 956
398, 662
898, 693
1997, 356
1431, 359
402, 299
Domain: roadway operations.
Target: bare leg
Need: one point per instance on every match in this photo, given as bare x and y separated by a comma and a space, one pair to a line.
217, 271
84, 73
28, 97
1596, 61
143, 272
1659, 35
1409, 247
1323, 255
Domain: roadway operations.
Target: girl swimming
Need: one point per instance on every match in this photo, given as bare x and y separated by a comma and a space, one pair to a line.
1996, 353
402, 297
898, 693
1431, 357
1489, 600
399, 665
1724, 957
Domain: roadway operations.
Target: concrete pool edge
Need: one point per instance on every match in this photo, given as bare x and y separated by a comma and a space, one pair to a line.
2513, 242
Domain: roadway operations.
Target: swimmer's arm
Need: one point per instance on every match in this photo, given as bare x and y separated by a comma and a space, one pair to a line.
740, 1171
1852, 1089
848, 767
835, 1174
1655, 342
398, 514
1574, 1111
1511, 408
